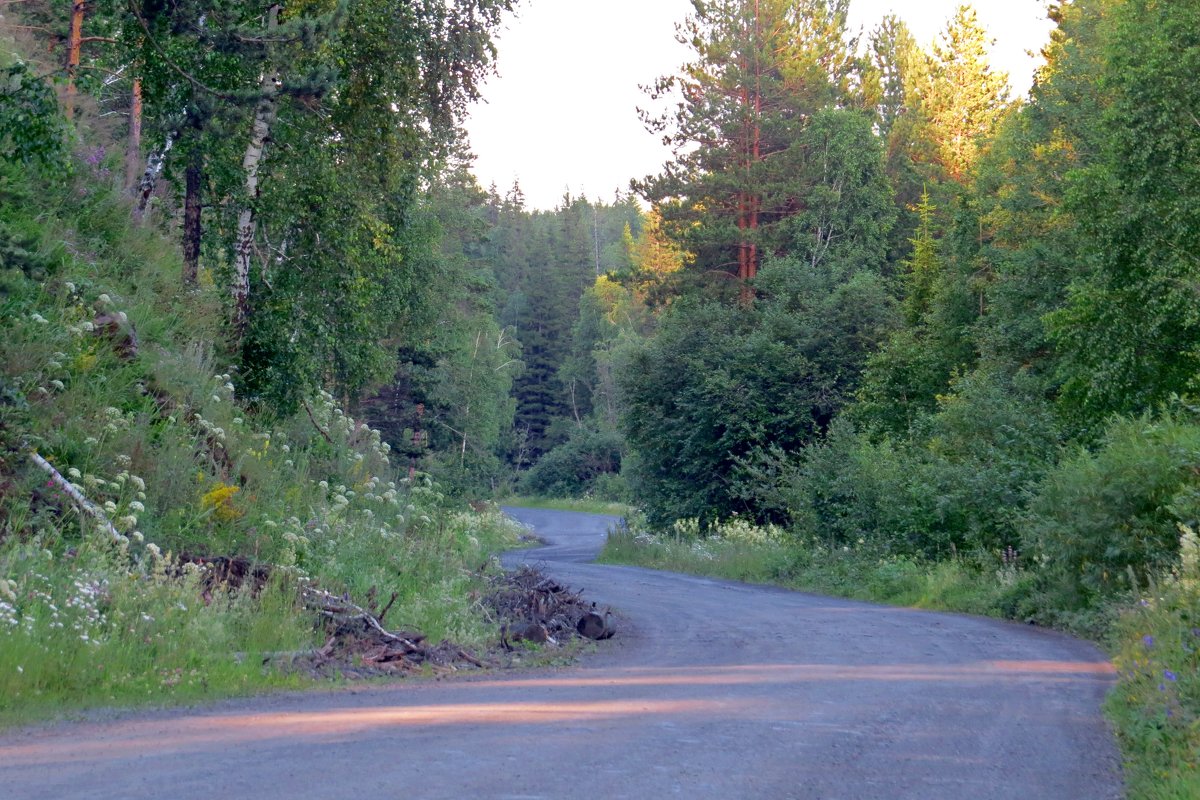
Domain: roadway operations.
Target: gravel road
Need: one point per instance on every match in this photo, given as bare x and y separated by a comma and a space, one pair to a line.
712, 690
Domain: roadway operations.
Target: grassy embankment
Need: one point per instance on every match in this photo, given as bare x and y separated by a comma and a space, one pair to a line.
120, 379
585, 505
1154, 639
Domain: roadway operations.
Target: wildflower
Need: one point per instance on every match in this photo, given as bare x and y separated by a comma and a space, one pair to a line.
139, 537
38, 318
70, 287
138, 483
152, 548
91, 440
1171, 676
216, 398
20, 668
74, 473
121, 317
104, 299
1148, 641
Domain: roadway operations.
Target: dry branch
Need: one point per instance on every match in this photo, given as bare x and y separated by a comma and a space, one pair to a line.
82, 503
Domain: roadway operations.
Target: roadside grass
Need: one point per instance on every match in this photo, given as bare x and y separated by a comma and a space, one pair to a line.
855, 573
157, 438
582, 504
1154, 640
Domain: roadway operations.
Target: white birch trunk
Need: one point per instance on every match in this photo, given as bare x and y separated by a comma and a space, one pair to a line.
72, 491
264, 117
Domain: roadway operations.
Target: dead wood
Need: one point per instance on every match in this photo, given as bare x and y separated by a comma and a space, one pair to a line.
532, 607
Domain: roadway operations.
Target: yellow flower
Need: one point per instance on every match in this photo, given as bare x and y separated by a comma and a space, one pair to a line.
220, 501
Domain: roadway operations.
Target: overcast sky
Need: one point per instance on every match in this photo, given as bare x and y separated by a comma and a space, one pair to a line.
562, 113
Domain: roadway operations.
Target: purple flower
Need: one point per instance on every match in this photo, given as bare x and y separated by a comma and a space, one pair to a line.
1162, 687
1195, 631
1148, 640
1143, 602
1171, 676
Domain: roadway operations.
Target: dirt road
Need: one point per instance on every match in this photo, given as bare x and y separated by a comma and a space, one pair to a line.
721, 691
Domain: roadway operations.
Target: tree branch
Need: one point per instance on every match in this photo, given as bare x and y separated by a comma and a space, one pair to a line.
82, 503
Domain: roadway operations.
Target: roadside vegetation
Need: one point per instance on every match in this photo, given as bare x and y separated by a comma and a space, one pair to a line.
583, 504
191, 480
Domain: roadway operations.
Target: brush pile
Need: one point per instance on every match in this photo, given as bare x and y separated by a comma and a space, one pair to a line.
533, 607
358, 645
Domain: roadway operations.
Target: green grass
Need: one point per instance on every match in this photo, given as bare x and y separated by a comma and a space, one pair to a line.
855, 574
586, 505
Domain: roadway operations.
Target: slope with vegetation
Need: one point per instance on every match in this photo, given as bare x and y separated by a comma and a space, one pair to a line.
177, 461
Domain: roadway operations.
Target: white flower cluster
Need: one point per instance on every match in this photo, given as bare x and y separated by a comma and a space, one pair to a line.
743, 531
217, 433
116, 420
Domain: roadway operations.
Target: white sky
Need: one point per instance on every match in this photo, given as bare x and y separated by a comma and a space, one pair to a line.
561, 115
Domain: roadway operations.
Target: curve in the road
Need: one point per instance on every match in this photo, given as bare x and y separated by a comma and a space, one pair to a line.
718, 690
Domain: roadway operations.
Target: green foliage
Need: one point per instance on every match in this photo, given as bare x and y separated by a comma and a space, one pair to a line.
761, 72
547, 264
1129, 329
848, 211
582, 465
955, 486
32, 128
1104, 522
717, 386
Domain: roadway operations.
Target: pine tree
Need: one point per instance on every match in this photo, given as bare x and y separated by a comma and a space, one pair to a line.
762, 69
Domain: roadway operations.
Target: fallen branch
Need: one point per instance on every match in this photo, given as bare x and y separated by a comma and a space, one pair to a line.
317, 425
82, 503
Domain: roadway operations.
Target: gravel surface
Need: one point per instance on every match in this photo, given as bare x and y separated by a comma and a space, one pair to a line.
711, 689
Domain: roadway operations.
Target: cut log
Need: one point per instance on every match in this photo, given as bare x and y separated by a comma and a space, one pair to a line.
594, 626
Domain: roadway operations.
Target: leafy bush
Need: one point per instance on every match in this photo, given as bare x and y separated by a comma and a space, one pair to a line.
718, 386
1106, 521
586, 463
955, 488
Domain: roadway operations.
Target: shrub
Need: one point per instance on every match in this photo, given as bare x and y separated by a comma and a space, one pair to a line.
572, 468
1106, 521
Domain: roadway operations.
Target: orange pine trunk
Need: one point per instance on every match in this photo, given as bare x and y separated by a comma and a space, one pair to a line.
74, 45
